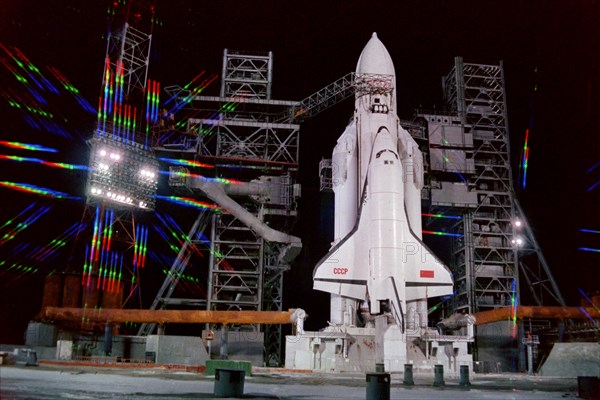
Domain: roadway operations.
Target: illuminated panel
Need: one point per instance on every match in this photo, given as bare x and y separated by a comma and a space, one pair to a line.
121, 173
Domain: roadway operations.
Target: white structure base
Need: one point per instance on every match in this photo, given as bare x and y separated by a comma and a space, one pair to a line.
352, 349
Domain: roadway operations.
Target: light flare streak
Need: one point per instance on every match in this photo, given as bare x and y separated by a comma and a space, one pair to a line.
189, 202
27, 146
224, 181
40, 191
525, 160
589, 249
438, 233
44, 162
588, 231
21, 226
441, 216
514, 302
185, 163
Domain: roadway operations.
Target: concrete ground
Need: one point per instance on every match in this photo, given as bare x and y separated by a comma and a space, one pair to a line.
76, 382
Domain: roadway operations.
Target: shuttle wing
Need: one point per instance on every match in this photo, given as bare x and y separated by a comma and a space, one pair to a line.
426, 275
344, 270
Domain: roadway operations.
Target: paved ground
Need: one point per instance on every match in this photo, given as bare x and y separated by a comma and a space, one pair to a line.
74, 382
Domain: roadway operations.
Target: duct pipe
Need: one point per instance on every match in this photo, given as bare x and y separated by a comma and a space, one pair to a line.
506, 313
171, 316
215, 192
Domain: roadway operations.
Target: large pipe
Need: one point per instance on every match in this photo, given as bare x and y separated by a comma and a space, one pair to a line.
216, 193
505, 313
170, 316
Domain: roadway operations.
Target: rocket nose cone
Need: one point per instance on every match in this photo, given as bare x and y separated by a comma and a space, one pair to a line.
375, 59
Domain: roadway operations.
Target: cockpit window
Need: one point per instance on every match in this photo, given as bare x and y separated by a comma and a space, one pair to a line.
379, 153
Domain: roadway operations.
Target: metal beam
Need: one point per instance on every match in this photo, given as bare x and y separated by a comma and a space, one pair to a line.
167, 316
554, 290
508, 313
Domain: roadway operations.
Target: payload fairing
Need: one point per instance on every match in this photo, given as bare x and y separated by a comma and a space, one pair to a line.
378, 258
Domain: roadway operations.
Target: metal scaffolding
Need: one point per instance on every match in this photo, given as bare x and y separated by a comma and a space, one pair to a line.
122, 178
247, 74
130, 48
470, 176
236, 131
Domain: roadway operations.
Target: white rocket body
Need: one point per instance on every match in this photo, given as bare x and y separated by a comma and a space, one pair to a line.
377, 254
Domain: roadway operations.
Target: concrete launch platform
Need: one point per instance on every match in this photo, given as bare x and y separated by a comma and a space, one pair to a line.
67, 381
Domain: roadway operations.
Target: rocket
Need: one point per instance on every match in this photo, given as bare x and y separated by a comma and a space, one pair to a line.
377, 258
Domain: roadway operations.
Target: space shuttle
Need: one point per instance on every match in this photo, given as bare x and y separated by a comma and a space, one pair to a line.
377, 259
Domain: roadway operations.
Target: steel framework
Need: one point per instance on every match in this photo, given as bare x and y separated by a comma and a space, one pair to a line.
129, 47
247, 74
123, 172
471, 150
239, 131
164, 294
322, 99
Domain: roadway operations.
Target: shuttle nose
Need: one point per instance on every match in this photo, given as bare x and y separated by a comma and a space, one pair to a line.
375, 59
377, 76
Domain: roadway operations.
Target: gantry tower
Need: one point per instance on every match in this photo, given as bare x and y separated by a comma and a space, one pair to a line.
470, 176
495, 258
237, 133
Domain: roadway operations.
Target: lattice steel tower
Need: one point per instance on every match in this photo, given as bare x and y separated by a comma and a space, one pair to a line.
122, 179
470, 176
237, 132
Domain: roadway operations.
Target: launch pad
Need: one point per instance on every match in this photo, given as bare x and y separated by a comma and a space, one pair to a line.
352, 349
379, 272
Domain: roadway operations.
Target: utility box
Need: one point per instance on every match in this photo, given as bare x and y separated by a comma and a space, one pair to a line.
229, 382
247, 346
39, 334
64, 350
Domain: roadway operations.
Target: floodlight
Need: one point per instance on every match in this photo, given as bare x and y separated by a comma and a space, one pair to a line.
517, 241
123, 173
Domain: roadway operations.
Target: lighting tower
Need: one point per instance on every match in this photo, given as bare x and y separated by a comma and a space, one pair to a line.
123, 170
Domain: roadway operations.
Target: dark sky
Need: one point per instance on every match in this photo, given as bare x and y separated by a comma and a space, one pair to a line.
551, 44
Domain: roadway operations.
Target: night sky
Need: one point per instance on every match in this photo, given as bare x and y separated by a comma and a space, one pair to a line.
551, 55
